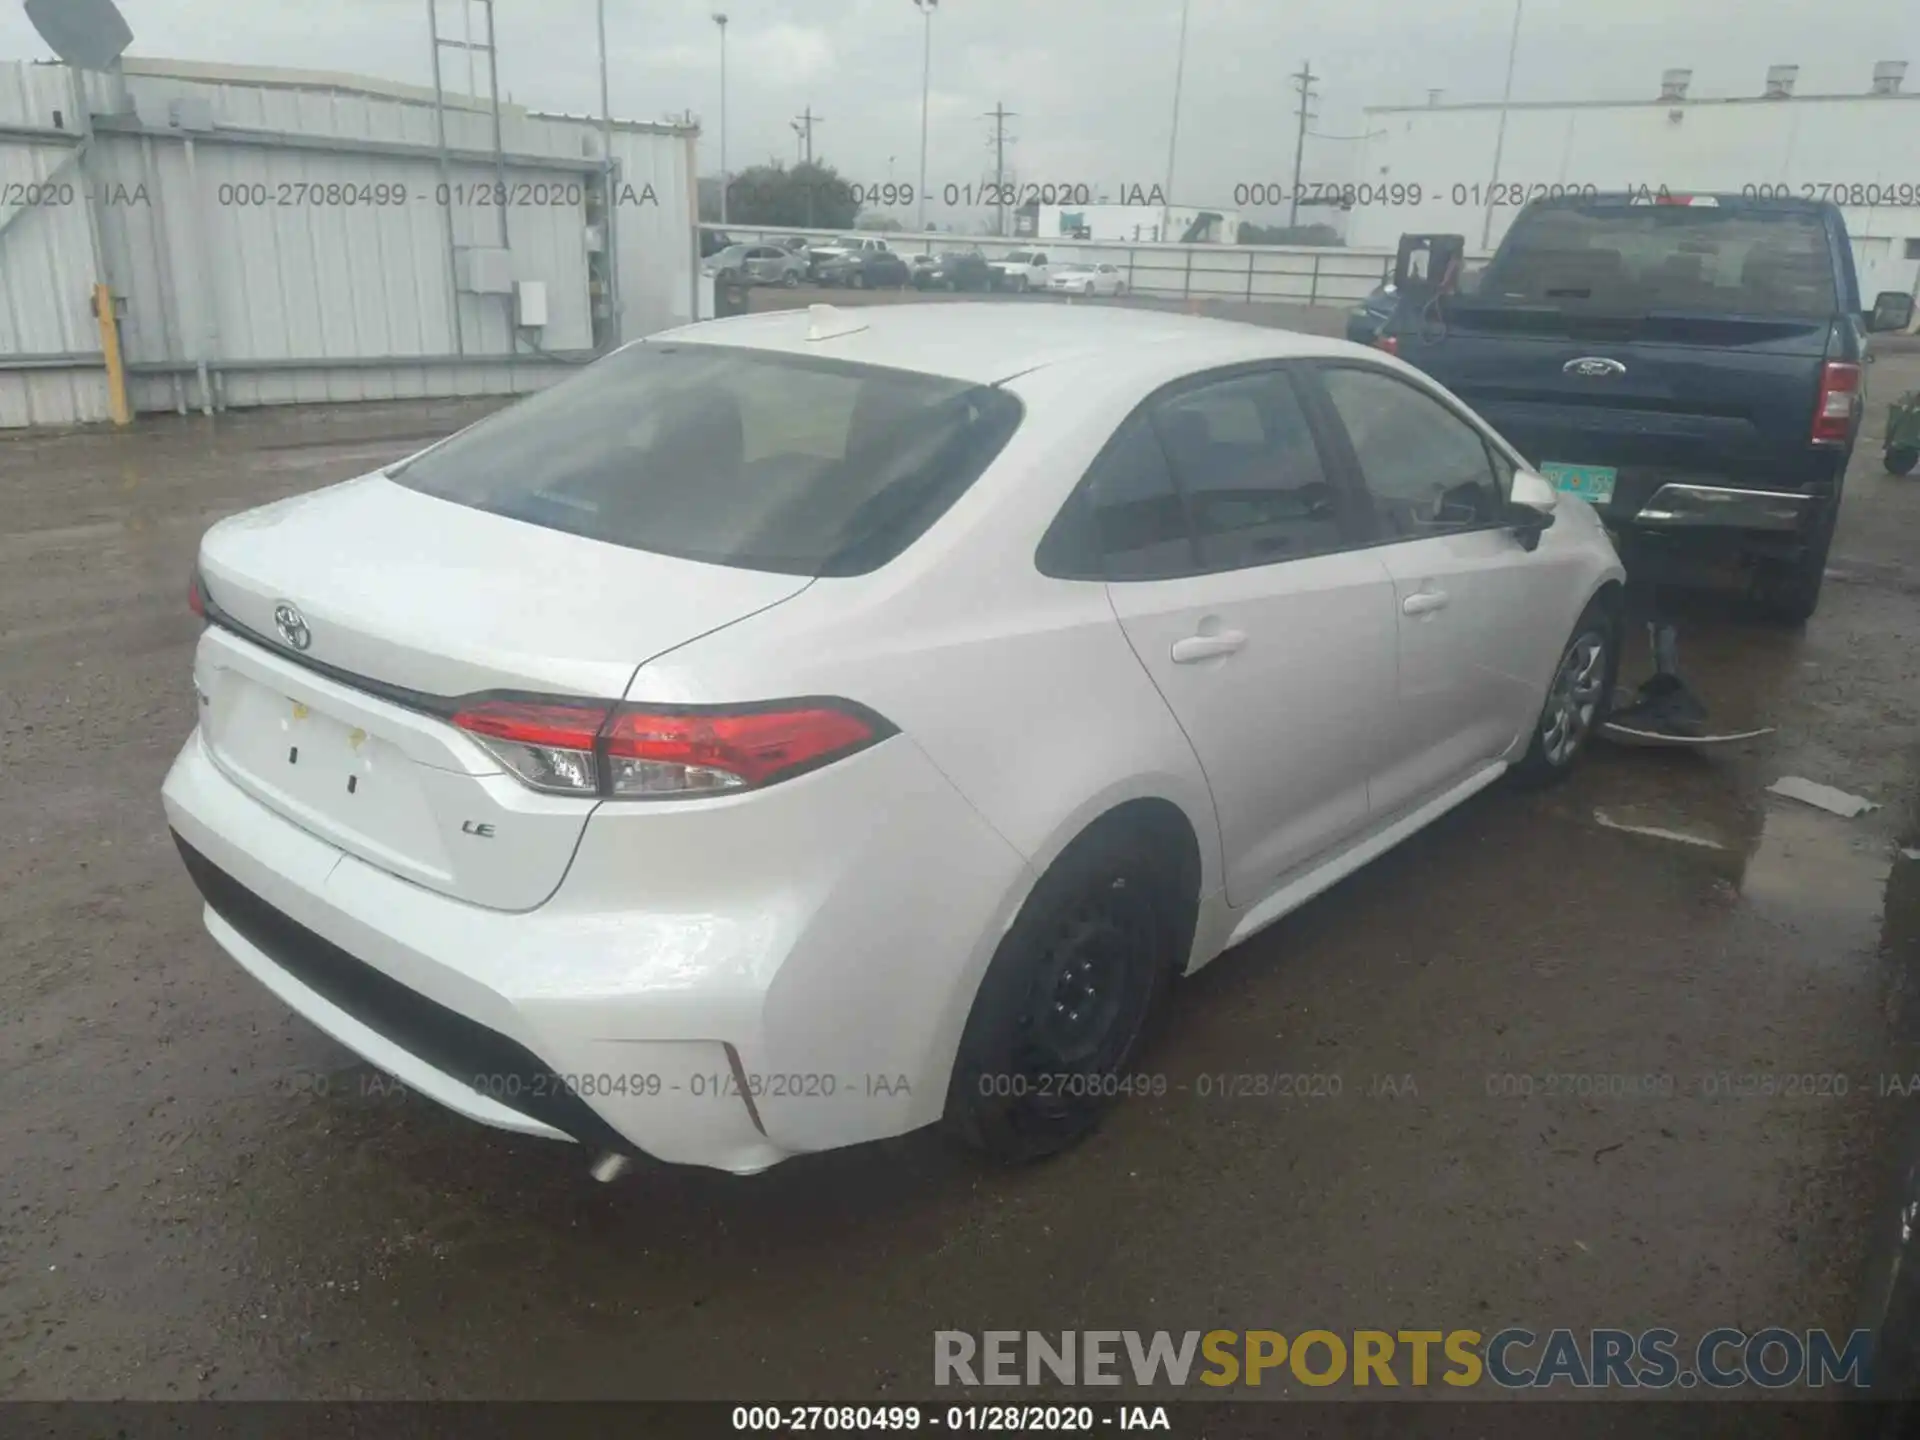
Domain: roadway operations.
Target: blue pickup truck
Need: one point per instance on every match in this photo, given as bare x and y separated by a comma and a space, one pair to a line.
1692, 365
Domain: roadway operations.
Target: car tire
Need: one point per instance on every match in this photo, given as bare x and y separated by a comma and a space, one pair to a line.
1074, 994
857, 281
1787, 592
1577, 696
1901, 460
1021, 285
790, 280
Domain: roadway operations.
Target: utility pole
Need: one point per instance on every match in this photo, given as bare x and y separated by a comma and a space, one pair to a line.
1500, 135
1303, 79
926, 8
720, 19
1000, 115
803, 139
1173, 129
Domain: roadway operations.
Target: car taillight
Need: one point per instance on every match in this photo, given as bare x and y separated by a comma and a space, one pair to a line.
548, 745
640, 752
196, 598
1833, 411
1388, 343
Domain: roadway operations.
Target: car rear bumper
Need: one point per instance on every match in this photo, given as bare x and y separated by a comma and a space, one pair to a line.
799, 986
1722, 507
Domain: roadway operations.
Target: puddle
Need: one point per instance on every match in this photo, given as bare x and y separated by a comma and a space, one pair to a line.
1818, 874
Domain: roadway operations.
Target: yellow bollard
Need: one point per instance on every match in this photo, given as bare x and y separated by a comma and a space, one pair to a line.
110, 351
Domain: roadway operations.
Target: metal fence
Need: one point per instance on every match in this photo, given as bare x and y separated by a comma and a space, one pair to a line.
1280, 274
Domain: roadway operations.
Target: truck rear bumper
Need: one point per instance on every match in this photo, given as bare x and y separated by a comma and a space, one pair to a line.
1718, 507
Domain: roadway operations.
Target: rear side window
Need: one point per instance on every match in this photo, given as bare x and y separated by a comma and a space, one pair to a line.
1638, 258
736, 457
1139, 522
1245, 456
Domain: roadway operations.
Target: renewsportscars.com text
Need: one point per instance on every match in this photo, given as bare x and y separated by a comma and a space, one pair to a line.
1513, 1359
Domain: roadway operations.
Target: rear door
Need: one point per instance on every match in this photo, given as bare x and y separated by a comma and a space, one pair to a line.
1272, 640
1475, 609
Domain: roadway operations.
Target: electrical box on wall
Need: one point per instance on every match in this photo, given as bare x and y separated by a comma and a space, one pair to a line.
530, 304
484, 270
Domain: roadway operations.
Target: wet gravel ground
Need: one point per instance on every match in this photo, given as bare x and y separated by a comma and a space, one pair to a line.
202, 1196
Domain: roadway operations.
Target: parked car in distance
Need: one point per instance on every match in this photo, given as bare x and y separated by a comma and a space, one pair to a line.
955, 270
1021, 271
901, 698
712, 242
1693, 365
866, 270
757, 265
824, 251
1087, 279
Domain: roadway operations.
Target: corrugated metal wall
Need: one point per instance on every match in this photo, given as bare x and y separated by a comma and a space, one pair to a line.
301, 246
46, 256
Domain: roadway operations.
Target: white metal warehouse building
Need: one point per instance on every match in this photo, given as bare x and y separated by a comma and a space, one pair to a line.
275, 236
1860, 149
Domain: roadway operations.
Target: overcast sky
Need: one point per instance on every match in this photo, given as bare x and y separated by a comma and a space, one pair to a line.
1091, 80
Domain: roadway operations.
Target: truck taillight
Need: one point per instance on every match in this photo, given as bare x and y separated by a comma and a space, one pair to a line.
1839, 399
196, 598
640, 752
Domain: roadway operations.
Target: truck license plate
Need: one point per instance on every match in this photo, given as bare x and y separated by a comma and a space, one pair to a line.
1592, 483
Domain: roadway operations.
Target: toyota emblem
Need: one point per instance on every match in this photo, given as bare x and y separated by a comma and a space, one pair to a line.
292, 625
1594, 367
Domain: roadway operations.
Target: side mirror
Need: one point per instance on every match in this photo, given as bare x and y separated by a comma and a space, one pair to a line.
1531, 504
1892, 310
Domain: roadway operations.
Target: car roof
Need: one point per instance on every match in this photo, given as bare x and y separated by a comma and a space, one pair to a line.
985, 344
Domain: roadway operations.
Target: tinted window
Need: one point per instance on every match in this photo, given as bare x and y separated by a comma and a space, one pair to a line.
1426, 470
1637, 258
739, 457
1139, 524
1244, 455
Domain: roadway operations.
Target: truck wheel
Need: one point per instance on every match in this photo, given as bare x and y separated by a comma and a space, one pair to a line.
1788, 591
1900, 460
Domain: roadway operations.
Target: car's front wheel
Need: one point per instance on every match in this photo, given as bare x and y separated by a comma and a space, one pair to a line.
1576, 699
1072, 995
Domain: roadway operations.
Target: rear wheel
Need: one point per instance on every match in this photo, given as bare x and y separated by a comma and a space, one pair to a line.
1577, 699
1072, 995
1788, 591
790, 280
1900, 460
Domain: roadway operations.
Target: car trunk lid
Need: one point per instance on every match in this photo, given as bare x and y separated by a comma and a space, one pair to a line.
350, 620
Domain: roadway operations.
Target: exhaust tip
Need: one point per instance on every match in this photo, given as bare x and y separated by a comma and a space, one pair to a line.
611, 1166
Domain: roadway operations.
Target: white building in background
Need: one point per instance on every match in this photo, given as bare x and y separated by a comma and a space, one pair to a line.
1131, 224
1861, 150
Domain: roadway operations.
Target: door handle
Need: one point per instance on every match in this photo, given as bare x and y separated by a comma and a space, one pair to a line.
1424, 602
1205, 647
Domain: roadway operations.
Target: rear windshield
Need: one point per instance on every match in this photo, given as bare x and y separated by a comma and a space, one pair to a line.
1639, 258
737, 457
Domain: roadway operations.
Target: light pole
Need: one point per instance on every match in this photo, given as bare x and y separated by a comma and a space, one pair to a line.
720, 19
1173, 130
1500, 133
926, 9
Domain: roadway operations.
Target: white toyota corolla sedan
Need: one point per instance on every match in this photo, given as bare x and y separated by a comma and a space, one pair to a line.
800, 728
